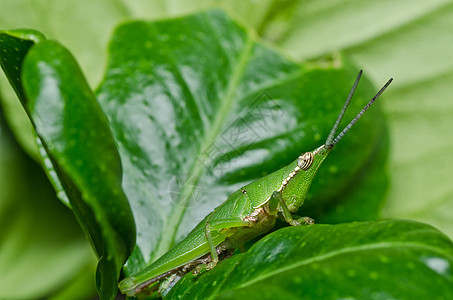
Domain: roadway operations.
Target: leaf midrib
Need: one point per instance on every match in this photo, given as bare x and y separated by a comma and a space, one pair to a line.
331, 254
209, 138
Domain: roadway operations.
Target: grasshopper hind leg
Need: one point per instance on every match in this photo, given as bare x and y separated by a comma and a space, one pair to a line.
219, 225
302, 221
203, 263
306, 220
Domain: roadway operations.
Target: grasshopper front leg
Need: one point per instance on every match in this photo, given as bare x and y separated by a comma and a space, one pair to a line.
277, 199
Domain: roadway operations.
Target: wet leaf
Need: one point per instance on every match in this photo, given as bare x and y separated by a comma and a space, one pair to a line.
369, 260
194, 125
77, 147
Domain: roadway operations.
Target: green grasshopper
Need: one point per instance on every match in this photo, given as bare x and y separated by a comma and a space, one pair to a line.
247, 213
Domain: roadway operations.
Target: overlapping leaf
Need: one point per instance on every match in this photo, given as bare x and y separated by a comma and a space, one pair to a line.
380, 260
76, 143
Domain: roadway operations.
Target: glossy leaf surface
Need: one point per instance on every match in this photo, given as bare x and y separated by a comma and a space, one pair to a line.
77, 141
14, 45
194, 125
369, 260
190, 129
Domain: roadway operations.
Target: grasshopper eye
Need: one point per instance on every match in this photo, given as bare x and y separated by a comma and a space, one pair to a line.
305, 160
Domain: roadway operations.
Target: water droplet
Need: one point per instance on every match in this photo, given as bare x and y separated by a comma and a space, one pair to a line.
438, 265
384, 259
333, 169
317, 136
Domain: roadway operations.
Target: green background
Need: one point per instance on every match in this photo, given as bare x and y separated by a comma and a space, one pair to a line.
410, 41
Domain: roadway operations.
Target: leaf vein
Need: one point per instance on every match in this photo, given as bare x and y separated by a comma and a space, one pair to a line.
340, 252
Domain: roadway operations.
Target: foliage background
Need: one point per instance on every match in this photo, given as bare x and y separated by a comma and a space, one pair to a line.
408, 40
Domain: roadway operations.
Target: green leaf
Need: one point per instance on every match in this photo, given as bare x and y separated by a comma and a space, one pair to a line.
42, 246
14, 45
76, 136
370, 260
14, 50
364, 200
194, 125
79, 146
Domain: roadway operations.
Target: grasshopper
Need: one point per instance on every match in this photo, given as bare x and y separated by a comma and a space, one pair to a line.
249, 212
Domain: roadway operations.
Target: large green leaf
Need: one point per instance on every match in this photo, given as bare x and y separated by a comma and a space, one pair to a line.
193, 125
77, 145
370, 260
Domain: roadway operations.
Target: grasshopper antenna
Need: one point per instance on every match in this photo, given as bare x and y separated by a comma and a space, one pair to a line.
338, 138
343, 110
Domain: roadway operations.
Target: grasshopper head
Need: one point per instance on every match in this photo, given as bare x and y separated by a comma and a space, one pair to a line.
295, 187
